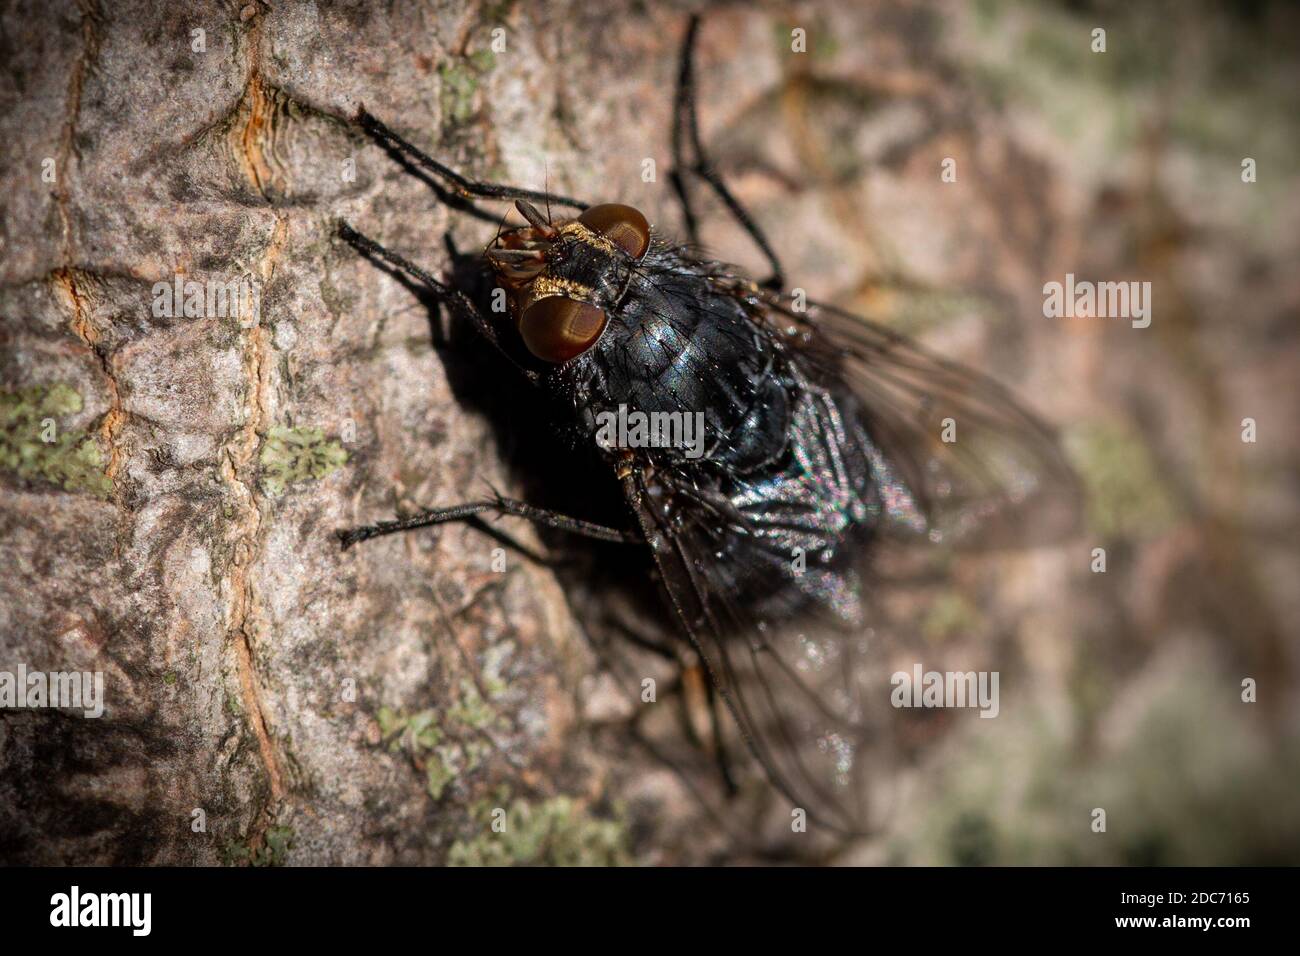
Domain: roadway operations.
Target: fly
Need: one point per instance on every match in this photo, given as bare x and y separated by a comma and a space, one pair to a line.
822, 442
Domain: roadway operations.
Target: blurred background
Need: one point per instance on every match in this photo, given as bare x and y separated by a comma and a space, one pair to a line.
1121, 690
476, 689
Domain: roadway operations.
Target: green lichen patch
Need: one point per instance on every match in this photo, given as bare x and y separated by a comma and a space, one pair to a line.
294, 455
1125, 494
470, 709
276, 844
444, 744
950, 615
35, 446
459, 82
555, 832
412, 732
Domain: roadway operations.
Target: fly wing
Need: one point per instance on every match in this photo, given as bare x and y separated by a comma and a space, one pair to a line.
804, 738
982, 470
810, 691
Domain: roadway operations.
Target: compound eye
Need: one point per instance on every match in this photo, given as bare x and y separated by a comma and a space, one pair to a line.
556, 328
621, 225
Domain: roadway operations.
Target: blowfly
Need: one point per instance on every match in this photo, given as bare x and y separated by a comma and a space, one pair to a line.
823, 443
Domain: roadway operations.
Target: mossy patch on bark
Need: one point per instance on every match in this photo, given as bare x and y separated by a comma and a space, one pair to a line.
36, 447
294, 455
558, 831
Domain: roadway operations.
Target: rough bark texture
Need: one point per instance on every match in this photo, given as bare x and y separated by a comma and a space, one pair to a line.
174, 530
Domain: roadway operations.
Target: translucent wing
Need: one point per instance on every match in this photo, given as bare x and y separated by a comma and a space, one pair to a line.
797, 738
807, 679
982, 470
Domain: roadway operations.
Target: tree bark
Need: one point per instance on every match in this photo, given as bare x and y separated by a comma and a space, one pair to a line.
268, 697
173, 476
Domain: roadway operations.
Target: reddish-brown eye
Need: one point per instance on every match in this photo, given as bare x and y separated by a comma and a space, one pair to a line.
621, 225
555, 329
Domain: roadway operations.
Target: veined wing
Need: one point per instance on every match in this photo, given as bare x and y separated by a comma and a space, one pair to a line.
982, 470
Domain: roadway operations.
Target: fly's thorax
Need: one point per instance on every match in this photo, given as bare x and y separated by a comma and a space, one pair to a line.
682, 356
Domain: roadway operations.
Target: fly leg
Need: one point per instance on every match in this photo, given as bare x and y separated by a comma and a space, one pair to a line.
461, 186
720, 753
686, 138
456, 300
663, 649
688, 683
502, 506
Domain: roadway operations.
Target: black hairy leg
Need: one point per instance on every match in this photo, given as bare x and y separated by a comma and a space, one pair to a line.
501, 506
686, 139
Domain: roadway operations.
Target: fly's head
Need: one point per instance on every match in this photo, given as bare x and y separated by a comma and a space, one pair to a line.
564, 277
